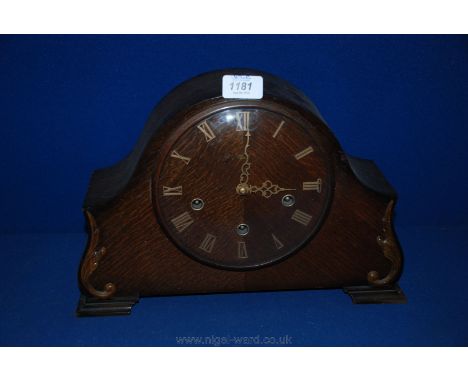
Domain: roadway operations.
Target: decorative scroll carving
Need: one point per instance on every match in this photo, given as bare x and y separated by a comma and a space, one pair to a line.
91, 262
391, 251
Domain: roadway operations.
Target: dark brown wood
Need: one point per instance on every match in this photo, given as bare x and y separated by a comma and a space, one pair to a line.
134, 248
391, 294
117, 306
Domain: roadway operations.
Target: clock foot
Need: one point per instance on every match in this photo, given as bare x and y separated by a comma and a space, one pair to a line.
391, 294
117, 306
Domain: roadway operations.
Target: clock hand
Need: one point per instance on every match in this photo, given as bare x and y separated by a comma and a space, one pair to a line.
244, 178
267, 189
243, 186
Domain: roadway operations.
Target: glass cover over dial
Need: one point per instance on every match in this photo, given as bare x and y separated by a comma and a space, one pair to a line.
242, 188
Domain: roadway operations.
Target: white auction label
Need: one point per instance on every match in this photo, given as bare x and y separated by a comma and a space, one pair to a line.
244, 87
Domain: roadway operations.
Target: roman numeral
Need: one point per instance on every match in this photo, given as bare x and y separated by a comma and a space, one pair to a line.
175, 154
182, 221
301, 217
241, 250
278, 244
243, 120
312, 186
208, 243
172, 191
278, 129
206, 130
304, 152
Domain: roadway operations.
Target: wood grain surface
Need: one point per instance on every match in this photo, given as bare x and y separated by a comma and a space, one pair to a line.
145, 255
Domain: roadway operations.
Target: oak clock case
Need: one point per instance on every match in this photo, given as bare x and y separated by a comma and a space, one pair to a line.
229, 195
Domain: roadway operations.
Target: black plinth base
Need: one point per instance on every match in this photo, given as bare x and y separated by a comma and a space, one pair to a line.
117, 306
391, 294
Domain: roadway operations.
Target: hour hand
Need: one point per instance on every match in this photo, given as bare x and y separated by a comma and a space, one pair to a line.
267, 189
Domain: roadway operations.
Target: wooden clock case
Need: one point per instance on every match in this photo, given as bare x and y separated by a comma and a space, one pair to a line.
128, 254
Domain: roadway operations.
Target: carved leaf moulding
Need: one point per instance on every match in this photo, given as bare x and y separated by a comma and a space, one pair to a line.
91, 262
390, 248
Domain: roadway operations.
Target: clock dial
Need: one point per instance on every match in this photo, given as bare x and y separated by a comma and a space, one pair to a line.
242, 188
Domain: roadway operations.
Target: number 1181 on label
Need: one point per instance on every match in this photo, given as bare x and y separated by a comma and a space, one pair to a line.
243, 87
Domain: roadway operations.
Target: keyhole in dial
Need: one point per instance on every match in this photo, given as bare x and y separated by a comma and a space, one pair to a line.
197, 204
288, 200
242, 229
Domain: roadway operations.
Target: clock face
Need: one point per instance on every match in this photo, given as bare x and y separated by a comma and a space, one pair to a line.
242, 188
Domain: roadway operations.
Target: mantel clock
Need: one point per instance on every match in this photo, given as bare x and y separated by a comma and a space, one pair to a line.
237, 184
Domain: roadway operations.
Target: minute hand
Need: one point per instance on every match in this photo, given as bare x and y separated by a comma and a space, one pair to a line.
268, 189
244, 177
